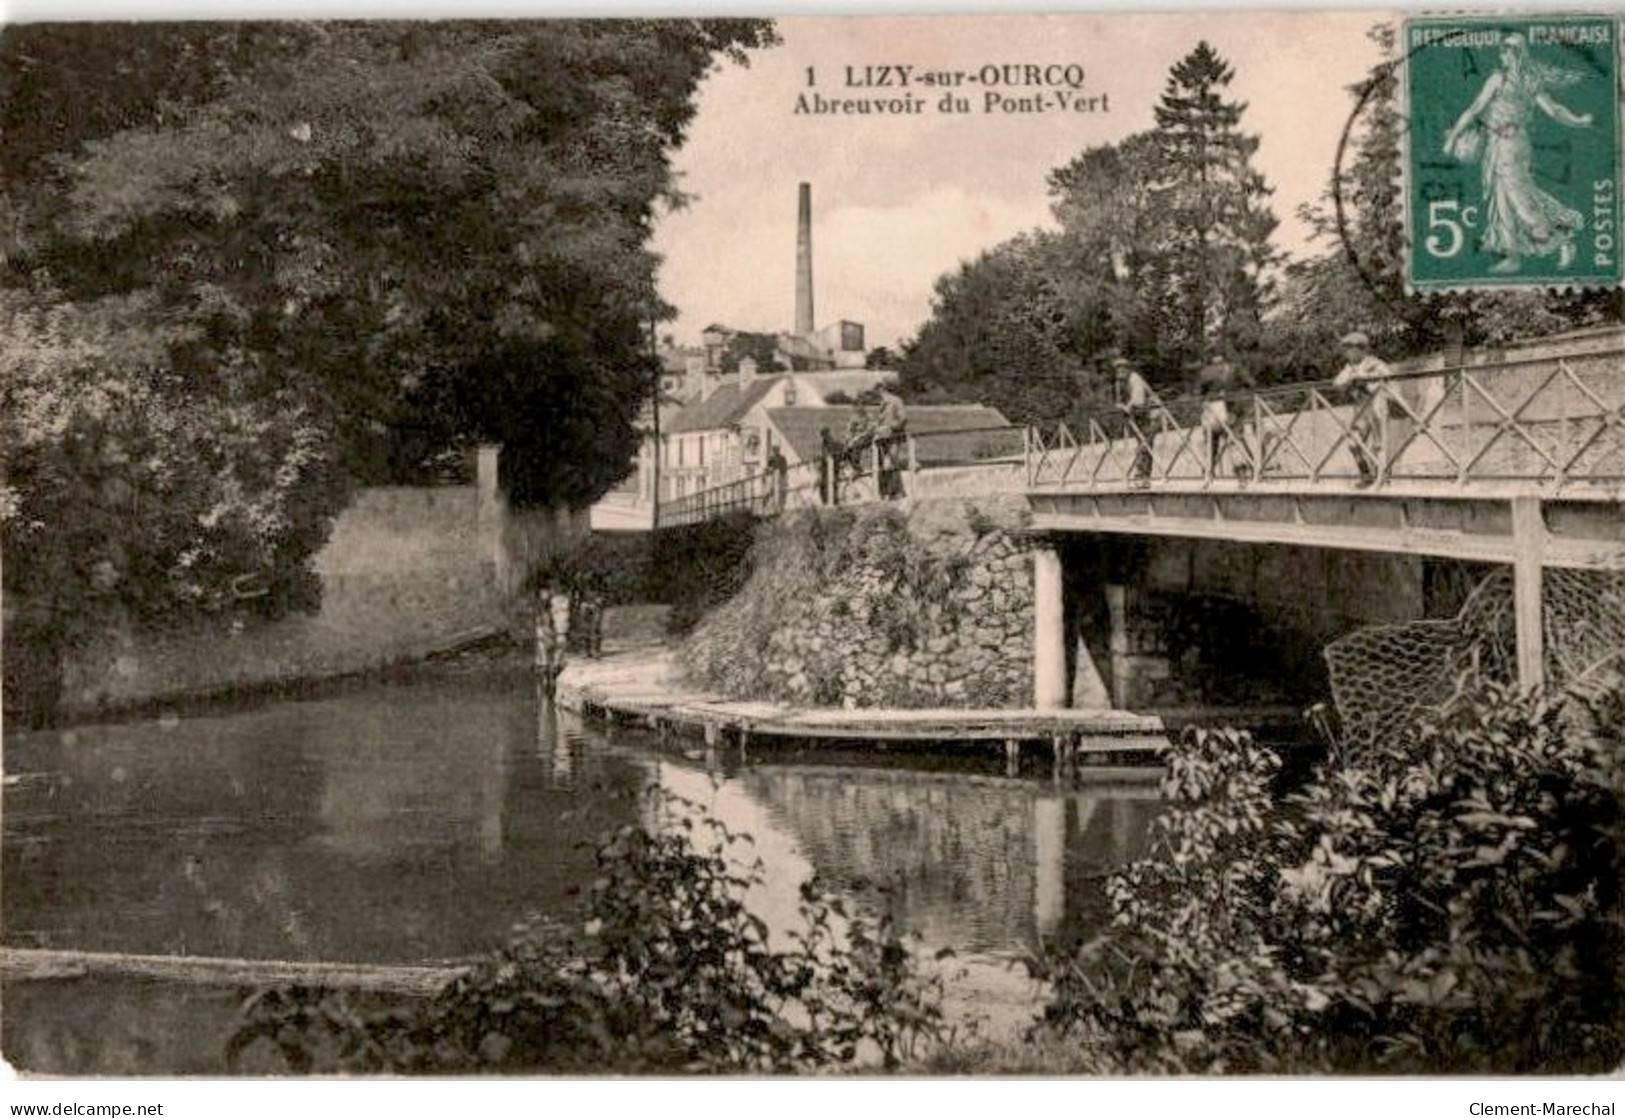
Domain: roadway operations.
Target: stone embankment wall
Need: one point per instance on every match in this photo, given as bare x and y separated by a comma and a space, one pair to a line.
406, 572
922, 605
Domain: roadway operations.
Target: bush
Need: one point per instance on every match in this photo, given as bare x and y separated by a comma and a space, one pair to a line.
1449, 901
667, 971
697, 567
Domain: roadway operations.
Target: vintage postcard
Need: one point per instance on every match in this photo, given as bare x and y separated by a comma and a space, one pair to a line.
1069, 544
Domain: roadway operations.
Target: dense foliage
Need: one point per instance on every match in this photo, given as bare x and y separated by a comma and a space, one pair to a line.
1010, 330
247, 265
667, 971
1448, 901
1356, 281
697, 567
1163, 253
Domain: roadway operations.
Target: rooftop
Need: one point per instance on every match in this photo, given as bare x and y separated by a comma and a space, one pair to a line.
725, 406
800, 426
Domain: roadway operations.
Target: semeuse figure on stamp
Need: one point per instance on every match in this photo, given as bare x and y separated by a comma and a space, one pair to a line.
1520, 219
1365, 376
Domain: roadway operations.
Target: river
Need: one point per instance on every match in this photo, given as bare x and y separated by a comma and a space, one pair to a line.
418, 819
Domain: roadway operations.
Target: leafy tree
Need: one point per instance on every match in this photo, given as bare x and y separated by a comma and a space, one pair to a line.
1163, 254
1447, 901
1010, 330
762, 348
1357, 281
1107, 201
132, 493
881, 357
305, 254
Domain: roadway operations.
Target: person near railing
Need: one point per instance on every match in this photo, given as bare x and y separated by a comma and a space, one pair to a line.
1135, 397
829, 468
587, 613
860, 435
778, 468
1365, 375
1219, 381
891, 427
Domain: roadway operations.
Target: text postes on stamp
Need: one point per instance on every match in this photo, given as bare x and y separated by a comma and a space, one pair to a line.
1513, 159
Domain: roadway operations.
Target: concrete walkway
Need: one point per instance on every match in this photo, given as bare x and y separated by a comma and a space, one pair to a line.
642, 684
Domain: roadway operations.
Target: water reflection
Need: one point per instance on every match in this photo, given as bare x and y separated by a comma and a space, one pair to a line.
418, 820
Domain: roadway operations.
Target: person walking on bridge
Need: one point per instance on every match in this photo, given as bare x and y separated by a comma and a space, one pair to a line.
778, 469
1135, 397
829, 468
1366, 377
1219, 380
891, 429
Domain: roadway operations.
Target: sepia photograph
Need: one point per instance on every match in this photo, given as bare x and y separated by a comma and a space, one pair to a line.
1056, 545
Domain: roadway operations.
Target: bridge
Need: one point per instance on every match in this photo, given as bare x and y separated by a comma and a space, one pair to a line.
1515, 459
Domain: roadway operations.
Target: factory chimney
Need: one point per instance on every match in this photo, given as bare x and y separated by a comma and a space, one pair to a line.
804, 288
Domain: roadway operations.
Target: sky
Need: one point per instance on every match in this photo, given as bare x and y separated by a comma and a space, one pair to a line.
899, 200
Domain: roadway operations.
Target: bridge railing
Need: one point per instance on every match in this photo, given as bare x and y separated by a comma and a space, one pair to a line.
871, 470
1551, 422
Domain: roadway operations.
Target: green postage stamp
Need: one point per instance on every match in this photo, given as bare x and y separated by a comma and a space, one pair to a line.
1512, 169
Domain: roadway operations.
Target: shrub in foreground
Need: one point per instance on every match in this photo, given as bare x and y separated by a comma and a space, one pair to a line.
667, 971
1448, 901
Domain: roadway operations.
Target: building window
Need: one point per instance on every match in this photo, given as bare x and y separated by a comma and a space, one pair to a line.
702, 450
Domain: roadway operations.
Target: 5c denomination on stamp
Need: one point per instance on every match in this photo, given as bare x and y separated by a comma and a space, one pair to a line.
1513, 161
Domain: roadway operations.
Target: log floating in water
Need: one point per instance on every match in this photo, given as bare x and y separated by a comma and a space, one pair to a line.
18, 963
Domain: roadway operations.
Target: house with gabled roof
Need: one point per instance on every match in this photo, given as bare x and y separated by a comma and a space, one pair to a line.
725, 434
949, 432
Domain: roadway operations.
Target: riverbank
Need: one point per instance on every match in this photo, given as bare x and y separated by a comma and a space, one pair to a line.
642, 683
646, 687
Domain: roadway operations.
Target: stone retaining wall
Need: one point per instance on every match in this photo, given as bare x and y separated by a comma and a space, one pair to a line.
925, 605
407, 571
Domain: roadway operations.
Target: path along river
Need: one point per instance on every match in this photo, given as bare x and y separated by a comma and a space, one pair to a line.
418, 819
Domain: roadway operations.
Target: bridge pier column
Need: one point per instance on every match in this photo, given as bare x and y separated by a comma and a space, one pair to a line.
1049, 630
1529, 542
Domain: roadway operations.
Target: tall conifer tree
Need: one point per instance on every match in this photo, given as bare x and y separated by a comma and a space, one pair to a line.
1216, 223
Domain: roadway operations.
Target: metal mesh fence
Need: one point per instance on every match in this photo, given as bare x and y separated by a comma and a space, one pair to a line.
1382, 676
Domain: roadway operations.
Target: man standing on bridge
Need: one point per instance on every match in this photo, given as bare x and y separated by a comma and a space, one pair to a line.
778, 472
1219, 380
1135, 397
891, 431
1365, 375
